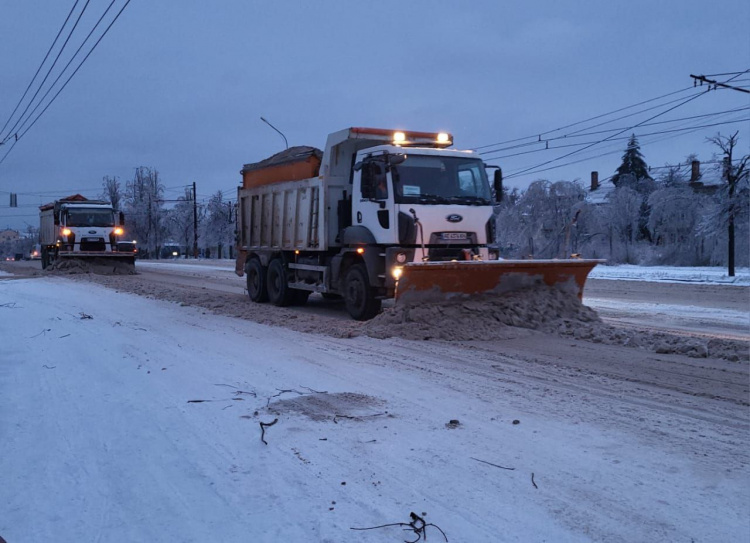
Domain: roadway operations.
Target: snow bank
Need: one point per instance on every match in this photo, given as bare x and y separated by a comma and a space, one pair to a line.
671, 274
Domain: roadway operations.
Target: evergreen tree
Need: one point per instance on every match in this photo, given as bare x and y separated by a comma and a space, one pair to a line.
633, 166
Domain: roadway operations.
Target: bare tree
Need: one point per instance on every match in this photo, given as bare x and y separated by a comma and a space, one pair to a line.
219, 225
735, 201
144, 208
111, 191
180, 220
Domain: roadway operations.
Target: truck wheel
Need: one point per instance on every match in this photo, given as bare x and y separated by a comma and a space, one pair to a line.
278, 287
330, 296
359, 297
256, 281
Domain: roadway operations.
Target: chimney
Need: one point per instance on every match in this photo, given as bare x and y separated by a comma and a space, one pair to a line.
594, 180
695, 172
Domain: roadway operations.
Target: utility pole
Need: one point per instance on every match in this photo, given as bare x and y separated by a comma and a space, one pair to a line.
195, 223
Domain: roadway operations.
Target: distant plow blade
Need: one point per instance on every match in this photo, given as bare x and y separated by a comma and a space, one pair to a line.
438, 281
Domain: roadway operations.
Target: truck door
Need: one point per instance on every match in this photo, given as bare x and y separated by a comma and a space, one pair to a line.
373, 202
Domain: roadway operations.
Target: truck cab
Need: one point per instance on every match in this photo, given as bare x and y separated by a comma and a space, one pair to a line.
435, 201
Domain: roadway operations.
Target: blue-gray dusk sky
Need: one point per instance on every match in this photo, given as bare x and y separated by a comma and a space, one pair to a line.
181, 85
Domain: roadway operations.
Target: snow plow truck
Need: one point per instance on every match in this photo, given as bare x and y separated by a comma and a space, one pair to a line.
379, 214
76, 228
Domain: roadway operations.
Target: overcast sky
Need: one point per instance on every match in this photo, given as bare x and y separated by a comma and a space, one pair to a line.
180, 85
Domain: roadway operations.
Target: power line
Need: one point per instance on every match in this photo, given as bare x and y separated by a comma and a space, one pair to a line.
580, 134
587, 120
65, 68
39, 68
76, 70
529, 170
49, 71
536, 169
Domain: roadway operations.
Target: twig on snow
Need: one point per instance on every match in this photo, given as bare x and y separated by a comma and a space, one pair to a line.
42, 332
491, 464
417, 525
225, 400
237, 391
532, 481
290, 390
313, 391
84, 316
9, 305
357, 417
48, 367
263, 426
66, 335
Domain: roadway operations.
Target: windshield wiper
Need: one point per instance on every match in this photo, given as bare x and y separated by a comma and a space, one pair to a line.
432, 198
470, 200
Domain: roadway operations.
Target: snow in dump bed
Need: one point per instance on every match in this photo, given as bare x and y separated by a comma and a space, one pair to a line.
130, 419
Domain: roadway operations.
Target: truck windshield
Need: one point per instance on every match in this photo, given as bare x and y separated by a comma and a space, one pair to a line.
429, 179
90, 217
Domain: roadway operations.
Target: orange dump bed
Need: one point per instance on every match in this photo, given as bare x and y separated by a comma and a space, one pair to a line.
293, 164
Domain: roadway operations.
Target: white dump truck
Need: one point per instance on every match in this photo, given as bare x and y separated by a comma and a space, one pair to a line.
78, 228
379, 213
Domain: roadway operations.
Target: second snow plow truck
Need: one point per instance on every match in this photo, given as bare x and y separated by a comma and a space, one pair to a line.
78, 229
380, 213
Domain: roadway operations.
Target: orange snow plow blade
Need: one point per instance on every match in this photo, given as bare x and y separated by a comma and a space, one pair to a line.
437, 281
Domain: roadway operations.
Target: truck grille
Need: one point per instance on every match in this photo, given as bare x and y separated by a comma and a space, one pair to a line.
93, 245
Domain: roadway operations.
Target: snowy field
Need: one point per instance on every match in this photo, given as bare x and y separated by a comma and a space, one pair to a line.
672, 274
129, 419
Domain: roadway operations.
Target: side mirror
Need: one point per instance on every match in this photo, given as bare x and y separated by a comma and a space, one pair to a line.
358, 166
395, 160
122, 218
498, 185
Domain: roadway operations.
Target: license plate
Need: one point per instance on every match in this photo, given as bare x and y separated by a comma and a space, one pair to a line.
91, 239
454, 235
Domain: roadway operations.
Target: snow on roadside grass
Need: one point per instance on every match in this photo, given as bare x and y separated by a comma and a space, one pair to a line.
671, 274
102, 442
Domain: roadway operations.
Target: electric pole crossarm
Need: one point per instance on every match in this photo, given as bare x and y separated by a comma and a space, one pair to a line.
704, 79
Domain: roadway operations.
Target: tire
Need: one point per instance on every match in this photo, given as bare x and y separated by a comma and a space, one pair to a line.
359, 296
330, 296
277, 284
257, 287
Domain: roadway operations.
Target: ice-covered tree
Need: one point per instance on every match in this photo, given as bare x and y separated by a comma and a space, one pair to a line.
111, 191
734, 196
181, 221
144, 209
540, 222
633, 168
219, 224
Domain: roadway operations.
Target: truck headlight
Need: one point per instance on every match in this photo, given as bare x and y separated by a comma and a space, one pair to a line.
119, 231
396, 272
66, 232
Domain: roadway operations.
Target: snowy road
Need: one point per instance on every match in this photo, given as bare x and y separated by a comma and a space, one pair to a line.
100, 442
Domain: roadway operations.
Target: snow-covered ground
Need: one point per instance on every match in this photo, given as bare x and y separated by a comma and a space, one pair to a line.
130, 419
